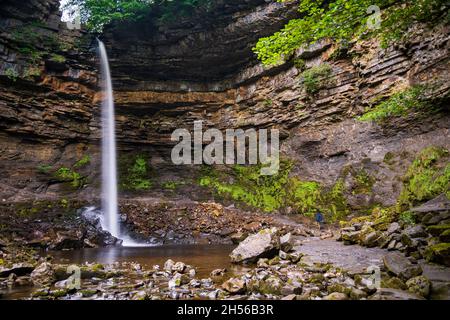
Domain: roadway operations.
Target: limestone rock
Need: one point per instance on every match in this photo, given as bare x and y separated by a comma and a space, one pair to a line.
399, 265
260, 245
419, 285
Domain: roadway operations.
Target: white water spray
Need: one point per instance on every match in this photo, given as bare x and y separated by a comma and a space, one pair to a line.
110, 220
109, 165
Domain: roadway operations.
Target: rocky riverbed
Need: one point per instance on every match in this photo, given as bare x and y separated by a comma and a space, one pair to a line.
270, 264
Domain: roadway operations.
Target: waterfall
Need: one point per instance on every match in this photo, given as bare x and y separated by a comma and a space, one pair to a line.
110, 221
109, 162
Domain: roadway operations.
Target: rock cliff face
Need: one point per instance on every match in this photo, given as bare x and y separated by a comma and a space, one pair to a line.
202, 68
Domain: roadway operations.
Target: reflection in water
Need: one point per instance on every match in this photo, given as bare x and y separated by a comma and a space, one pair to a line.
204, 257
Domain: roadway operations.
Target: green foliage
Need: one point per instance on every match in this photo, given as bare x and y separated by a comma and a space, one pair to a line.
407, 217
270, 193
399, 104
364, 182
12, 74
427, 177
317, 77
83, 161
68, 175
264, 192
268, 102
98, 13
136, 175
300, 64
57, 58
342, 20
172, 185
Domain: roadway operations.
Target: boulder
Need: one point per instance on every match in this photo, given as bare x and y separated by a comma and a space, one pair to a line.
416, 231
393, 227
371, 239
439, 253
44, 274
400, 266
234, 285
351, 237
264, 244
419, 285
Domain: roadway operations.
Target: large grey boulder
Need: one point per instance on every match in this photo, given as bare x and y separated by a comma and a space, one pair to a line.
399, 265
264, 244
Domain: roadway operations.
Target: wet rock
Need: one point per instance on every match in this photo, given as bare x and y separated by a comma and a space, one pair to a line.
336, 296
271, 285
291, 290
400, 266
68, 240
439, 253
238, 237
351, 237
44, 274
394, 283
218, 273
393, 227
178, 280
419, 285
234, 285
394, 294
371, 239
290, 297
263, 244
286, 242
19, 269
179, 267
416, 231
168, 265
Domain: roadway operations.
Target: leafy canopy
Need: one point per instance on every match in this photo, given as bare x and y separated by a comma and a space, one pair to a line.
342, 20
98, 13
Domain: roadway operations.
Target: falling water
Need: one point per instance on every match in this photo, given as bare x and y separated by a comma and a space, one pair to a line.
110, 221
109, 165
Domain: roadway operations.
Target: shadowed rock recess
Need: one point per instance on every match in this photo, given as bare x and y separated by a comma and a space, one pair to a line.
379, 179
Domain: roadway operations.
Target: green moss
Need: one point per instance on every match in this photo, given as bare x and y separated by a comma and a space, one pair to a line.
364, 182
57, 58
268, 102
82, 162
300, 64
12, 74
68, 175
316, 78
407, 217
306, 196
270, 193
397, 105
86, 293
437, 230
438, 253
44, 168
135, 174
427, 177
389, 158
172, 185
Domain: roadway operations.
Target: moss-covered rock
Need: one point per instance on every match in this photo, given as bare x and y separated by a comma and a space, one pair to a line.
439, 253
437, 230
